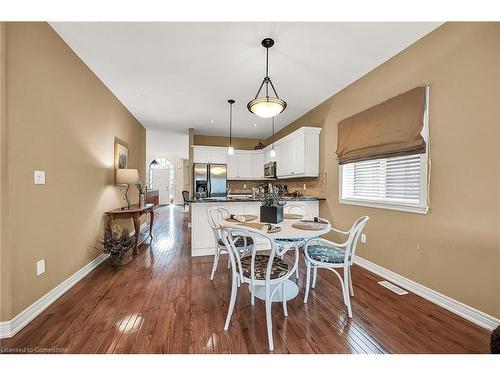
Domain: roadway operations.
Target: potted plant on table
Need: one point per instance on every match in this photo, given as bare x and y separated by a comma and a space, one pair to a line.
271, 210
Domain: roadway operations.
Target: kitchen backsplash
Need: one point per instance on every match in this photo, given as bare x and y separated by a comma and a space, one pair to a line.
315, 186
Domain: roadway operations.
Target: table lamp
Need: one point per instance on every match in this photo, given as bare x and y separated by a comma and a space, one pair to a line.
127, 177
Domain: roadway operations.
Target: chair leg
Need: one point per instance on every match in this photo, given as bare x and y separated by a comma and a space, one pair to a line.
216, 262
297, 270
283, 297
308, 281
269, 323
252, 295
347, 297
351, 289
234, 291
315, 276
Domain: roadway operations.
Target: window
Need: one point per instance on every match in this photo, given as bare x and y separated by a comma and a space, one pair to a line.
398, 183
395, 183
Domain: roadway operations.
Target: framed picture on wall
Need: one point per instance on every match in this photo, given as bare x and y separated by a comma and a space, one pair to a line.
121, 154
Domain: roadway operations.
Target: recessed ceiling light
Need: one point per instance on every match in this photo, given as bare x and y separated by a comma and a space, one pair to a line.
211, 121
254, 125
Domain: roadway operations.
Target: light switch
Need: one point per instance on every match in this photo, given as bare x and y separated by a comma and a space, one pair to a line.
39, 177
40, 267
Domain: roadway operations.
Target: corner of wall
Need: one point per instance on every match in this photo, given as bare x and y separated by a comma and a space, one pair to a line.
5, 256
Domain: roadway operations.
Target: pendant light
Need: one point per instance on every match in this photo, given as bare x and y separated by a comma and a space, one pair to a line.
230, 149
266, 106
273, 151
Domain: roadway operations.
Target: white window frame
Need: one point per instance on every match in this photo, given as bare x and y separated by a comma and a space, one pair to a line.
421, 208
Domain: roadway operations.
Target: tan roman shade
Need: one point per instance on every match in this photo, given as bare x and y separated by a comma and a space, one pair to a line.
391, 128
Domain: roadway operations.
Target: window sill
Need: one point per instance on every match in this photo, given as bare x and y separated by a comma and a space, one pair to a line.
388, 206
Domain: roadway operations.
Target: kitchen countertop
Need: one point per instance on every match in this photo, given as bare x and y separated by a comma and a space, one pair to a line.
242, 199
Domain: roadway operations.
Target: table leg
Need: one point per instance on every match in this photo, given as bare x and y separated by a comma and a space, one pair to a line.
137, 226
151, 222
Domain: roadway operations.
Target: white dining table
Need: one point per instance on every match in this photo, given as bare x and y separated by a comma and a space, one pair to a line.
287, 232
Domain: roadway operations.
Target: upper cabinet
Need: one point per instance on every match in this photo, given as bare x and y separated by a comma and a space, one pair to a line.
245, 165
210, 155
297, 155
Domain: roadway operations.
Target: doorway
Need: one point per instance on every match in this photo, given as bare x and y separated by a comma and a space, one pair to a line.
161, 177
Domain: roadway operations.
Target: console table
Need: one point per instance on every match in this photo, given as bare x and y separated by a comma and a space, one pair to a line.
134, 212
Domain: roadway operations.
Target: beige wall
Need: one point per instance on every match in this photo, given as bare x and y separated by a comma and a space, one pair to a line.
61, 119
459, 238
238, 143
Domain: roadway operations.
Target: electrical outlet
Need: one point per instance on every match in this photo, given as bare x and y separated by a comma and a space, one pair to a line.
363, 237
39, 177
305, 187
40, 267
244, 186
418, 247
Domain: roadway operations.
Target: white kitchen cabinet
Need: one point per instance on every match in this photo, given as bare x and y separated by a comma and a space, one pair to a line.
257, 165
218, 156
201, 156
297, 154
210, 155
244, 165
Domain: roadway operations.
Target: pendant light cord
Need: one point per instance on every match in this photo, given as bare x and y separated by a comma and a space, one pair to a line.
267, 72
273, 133
230, 123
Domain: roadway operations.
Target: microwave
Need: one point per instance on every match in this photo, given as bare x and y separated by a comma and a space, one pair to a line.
270, 170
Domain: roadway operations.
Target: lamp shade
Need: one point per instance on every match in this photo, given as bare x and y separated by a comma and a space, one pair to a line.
266, 107
127, 176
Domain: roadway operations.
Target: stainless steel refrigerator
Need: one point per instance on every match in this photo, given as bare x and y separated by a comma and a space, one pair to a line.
210, 180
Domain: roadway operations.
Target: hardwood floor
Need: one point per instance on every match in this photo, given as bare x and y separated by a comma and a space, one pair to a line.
164, 302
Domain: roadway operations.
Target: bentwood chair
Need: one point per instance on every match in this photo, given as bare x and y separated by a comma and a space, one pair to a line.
294, 243
215, 217
185, 198
297, 208
257, 269
321, 253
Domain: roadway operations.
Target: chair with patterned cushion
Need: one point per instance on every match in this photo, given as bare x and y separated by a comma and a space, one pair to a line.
215, 217
301, 210
256, 268
321, 253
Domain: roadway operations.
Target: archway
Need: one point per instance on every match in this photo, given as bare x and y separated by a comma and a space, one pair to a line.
161, 177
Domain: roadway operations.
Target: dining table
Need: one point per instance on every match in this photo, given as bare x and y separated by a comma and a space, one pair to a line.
293, 235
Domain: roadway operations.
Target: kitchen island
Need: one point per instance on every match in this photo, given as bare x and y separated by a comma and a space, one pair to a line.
202, 238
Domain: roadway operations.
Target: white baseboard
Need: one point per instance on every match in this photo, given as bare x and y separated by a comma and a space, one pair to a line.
467, 312
11, 327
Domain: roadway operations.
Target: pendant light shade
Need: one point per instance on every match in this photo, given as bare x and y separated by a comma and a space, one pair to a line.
267, 106
230, 149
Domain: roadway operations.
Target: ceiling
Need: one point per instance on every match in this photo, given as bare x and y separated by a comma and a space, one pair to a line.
177, 76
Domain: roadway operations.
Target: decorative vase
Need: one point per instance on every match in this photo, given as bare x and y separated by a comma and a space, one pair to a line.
273, 215
122, 259
142, 199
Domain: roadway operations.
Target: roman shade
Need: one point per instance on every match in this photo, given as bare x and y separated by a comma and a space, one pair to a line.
391, 128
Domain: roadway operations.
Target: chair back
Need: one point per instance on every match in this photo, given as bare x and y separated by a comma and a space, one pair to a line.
354, 234
297, 208
215, 216
185, 196
231, 235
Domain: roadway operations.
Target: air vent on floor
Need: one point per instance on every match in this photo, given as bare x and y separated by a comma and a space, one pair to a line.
396, 289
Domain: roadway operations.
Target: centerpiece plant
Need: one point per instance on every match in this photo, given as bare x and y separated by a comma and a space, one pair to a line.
271, 210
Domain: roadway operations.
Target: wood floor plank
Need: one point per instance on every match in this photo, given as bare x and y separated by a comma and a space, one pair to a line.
164, 302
